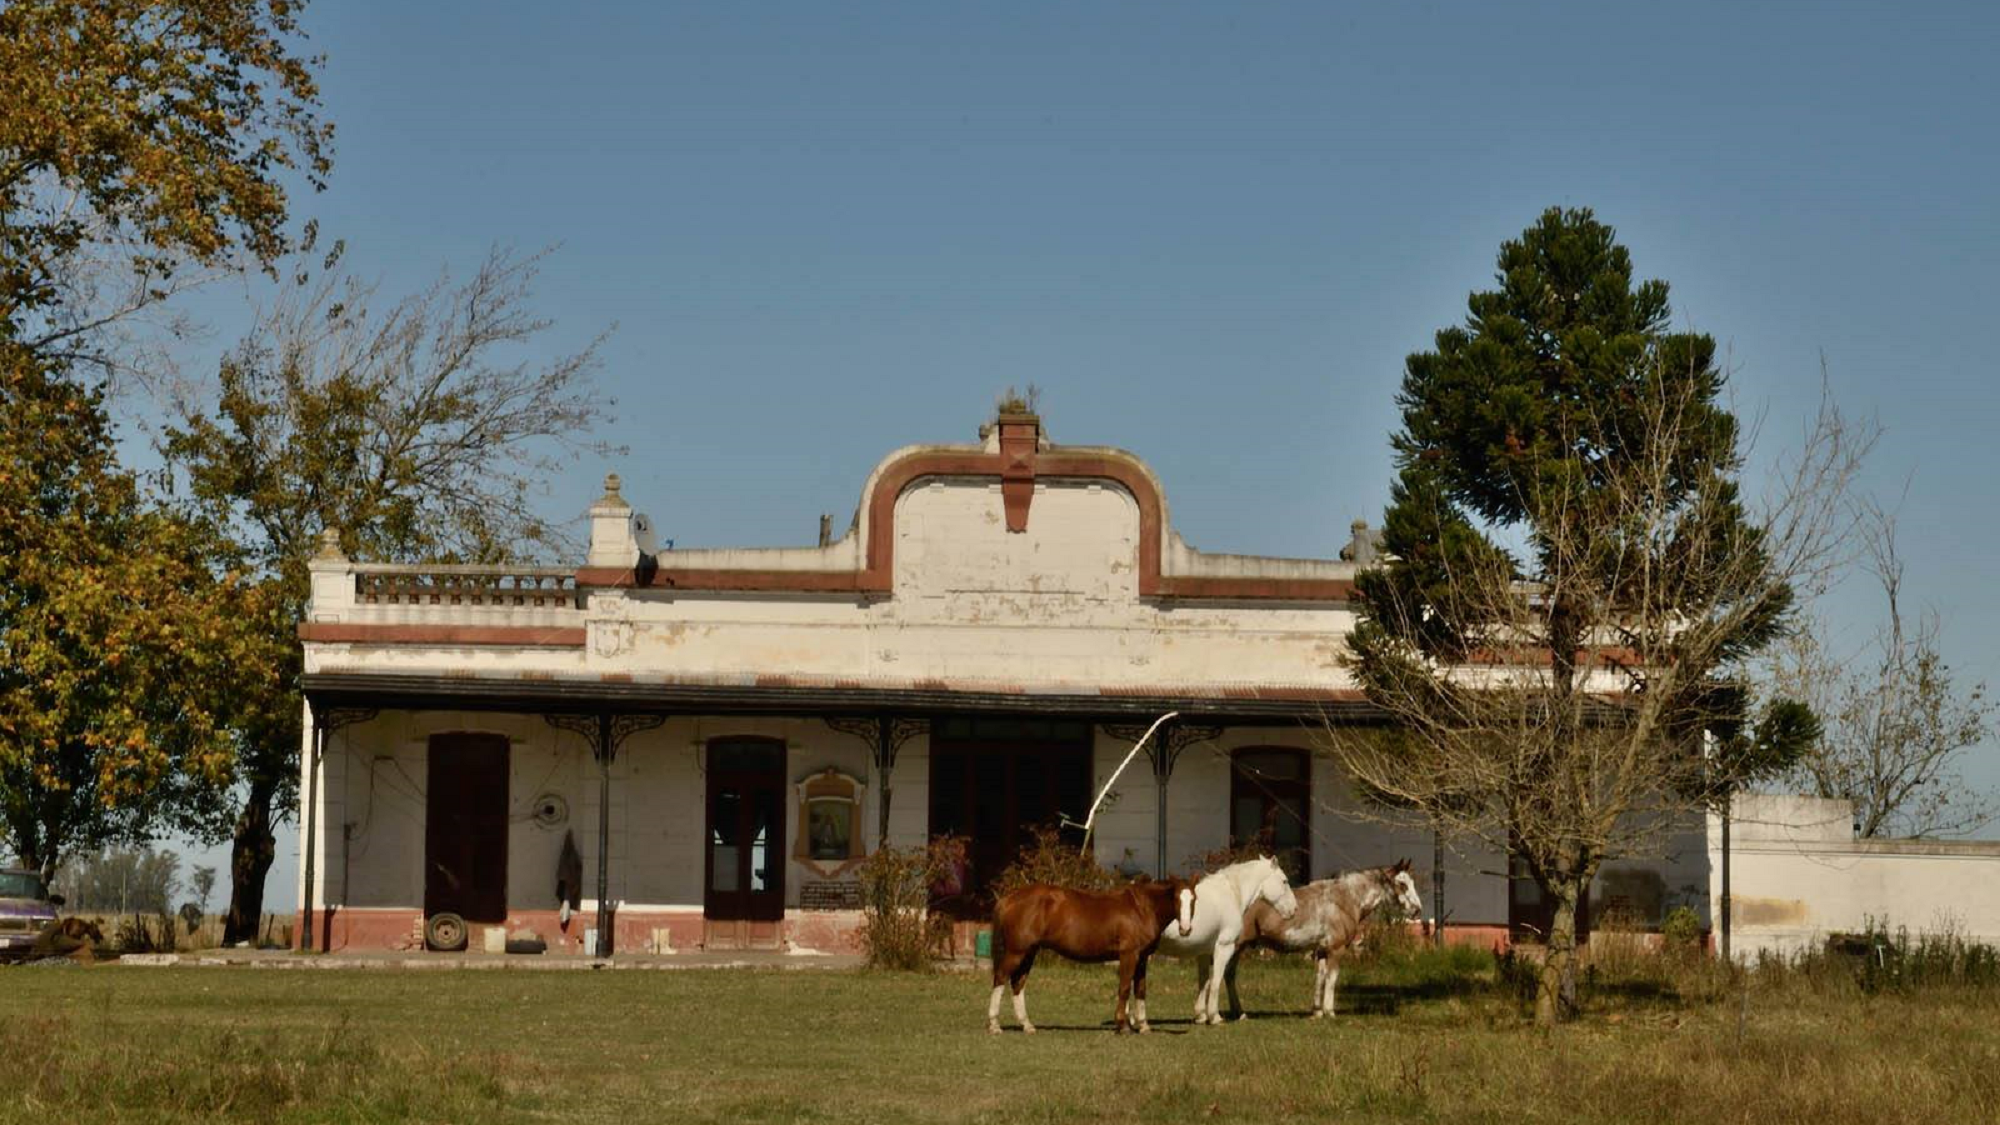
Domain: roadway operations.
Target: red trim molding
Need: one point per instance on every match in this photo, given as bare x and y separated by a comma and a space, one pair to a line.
877, 573
517, 636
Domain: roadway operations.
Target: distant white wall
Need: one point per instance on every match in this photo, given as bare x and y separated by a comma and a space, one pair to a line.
1797, 875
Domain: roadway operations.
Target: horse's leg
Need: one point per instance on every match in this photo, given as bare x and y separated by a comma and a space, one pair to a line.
1229, 978
1211, 1011
1020, 978
1319, 982
1139, 995
1201, 983
1128, 966
1004, 962
1332, 977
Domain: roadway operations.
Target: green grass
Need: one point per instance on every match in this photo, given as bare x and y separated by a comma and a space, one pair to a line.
1421, 1037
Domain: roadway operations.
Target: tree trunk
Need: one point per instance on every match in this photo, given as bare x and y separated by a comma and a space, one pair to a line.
1555, 987
250, 856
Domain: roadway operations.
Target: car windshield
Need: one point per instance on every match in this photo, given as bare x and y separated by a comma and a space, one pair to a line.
20, 884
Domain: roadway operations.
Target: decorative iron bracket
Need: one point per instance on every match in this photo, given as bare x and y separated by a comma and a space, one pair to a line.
333, 718
1168, 743
885, 735
604, 733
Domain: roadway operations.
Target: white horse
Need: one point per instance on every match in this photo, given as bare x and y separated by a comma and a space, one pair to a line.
1219, 905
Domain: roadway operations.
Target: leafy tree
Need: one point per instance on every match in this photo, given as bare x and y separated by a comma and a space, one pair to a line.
1898, 720
122, 881
406, 428
1572, 581
121, 651
140, 140
202, 882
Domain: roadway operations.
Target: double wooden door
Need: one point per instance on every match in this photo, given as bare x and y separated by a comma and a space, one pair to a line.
743, 894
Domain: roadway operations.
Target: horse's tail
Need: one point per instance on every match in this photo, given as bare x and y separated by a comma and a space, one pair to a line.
1002, 914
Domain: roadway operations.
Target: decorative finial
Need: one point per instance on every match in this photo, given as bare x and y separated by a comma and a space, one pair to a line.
611, 486
329, 544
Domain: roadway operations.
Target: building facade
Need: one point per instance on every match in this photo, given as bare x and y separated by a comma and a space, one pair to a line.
696, 749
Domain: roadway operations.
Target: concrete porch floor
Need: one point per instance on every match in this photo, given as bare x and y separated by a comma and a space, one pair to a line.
531, 962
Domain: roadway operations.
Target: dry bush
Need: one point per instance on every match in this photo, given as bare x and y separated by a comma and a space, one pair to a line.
1048, 858
1215, 859
899, 930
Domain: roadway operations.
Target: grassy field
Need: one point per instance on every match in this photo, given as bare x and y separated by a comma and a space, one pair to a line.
1418, 1040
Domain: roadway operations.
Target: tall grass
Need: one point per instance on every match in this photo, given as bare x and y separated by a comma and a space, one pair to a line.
55, 1064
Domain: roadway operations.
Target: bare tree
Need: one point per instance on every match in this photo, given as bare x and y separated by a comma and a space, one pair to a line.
1553, 711
415, 427
1897, 722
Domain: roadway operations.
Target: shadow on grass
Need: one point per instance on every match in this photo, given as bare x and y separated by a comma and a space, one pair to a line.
1093, 1028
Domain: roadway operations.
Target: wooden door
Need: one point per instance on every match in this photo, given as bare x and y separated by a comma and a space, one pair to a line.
992, 780
1270, 799
465, 827
743, 896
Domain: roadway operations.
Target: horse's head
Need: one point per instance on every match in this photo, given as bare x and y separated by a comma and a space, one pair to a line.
1275, 889
1403, 889
1184, 899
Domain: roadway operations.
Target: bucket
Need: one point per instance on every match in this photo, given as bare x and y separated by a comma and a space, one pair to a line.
982, 944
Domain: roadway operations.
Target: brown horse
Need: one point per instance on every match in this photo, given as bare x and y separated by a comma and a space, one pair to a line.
1328, 922
1122, 925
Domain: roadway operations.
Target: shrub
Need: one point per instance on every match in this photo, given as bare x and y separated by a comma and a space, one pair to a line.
899, 930
1881, 960
1681, 931
1048, 858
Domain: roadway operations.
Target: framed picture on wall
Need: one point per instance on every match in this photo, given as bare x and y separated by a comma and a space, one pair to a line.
828, 839
829, 828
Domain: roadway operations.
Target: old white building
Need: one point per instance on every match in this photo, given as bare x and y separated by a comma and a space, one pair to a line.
715, 738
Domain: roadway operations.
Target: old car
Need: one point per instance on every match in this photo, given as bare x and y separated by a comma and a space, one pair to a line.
26, 908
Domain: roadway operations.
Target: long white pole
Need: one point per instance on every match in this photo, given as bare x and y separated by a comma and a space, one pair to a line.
1091, 820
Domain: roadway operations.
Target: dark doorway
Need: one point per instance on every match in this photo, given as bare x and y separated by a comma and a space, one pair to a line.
465, 827
1270, 800
993, 779
744, 881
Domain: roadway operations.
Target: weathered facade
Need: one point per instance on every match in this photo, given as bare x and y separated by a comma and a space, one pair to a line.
697, 749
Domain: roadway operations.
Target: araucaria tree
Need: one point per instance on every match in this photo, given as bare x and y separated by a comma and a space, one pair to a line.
1572, 581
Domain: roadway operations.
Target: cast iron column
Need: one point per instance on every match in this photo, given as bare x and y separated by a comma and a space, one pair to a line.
885, 760
603, 752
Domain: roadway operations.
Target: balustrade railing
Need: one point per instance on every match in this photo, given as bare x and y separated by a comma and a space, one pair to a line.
499, 587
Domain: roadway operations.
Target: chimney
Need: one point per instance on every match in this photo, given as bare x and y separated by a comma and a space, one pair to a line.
611, 542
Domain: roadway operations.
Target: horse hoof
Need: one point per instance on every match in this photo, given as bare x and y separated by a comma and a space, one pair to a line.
1317, 1014
1145, 1029
1241, 1016
1027, 1029
992, 1029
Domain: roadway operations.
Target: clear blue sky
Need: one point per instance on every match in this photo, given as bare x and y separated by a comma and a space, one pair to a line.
1210, 232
